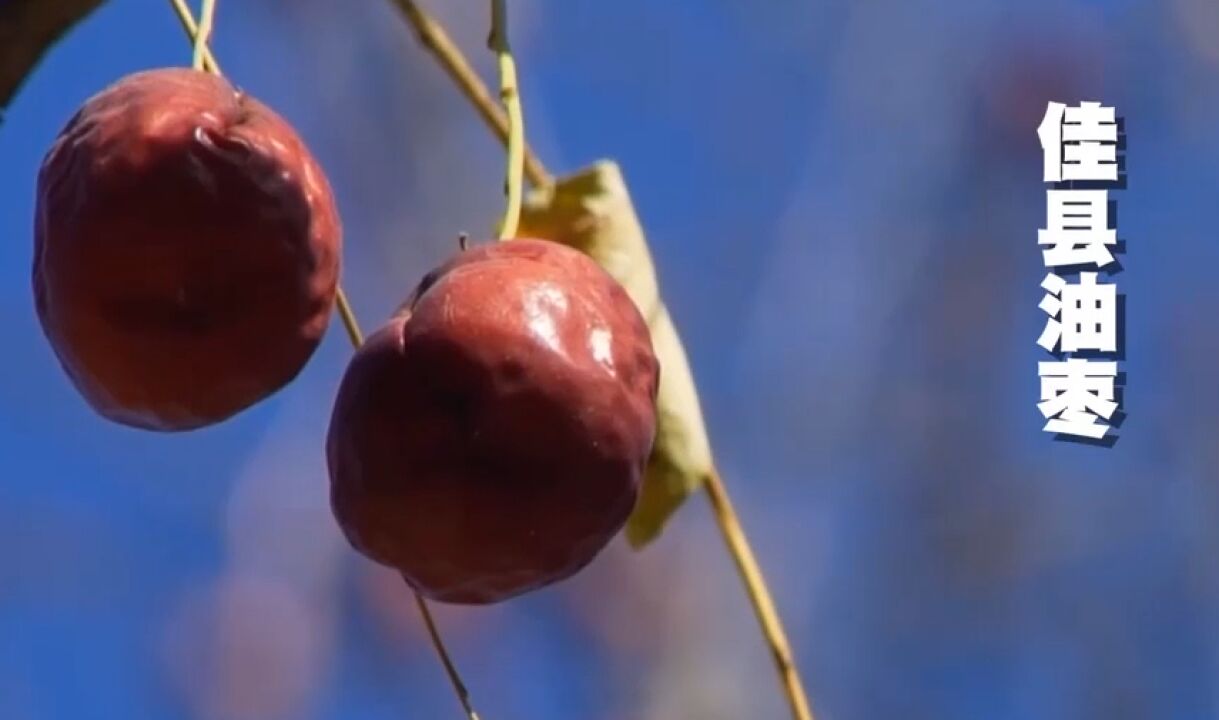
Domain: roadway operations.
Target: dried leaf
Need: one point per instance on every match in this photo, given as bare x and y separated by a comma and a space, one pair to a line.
592, 212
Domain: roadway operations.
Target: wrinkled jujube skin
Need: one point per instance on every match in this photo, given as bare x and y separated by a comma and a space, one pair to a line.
186, 250
491, 438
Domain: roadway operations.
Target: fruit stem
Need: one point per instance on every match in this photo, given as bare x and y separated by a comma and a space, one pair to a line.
348, 317
195, 33
434, 39
510, 96
203, 33
192, 32
759, 595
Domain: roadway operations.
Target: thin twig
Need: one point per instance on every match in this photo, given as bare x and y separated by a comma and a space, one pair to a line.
433, 37
357, 339
204, 34
510, 96
459, 687
759, 595
435, 40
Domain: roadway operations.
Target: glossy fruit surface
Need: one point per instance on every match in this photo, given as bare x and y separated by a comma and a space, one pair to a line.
490, 439
186, 250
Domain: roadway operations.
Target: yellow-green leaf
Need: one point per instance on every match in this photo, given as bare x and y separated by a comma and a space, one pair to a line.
592, 212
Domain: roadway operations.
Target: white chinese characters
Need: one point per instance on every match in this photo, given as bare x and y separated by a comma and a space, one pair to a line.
1080, 148
1079, 143
1077, 229
1075, 395
1083, 316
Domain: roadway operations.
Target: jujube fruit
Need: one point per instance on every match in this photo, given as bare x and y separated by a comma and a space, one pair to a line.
186, 250
490, 439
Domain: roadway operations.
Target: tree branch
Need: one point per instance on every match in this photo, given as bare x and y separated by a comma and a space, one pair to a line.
435, 40
28, 28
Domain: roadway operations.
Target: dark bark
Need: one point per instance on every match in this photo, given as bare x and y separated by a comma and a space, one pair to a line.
28, 28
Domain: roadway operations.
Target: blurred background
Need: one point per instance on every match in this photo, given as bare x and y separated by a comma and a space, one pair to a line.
843, 200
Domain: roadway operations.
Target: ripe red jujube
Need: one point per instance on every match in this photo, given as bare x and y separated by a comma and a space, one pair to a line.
186, 250
490, 439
